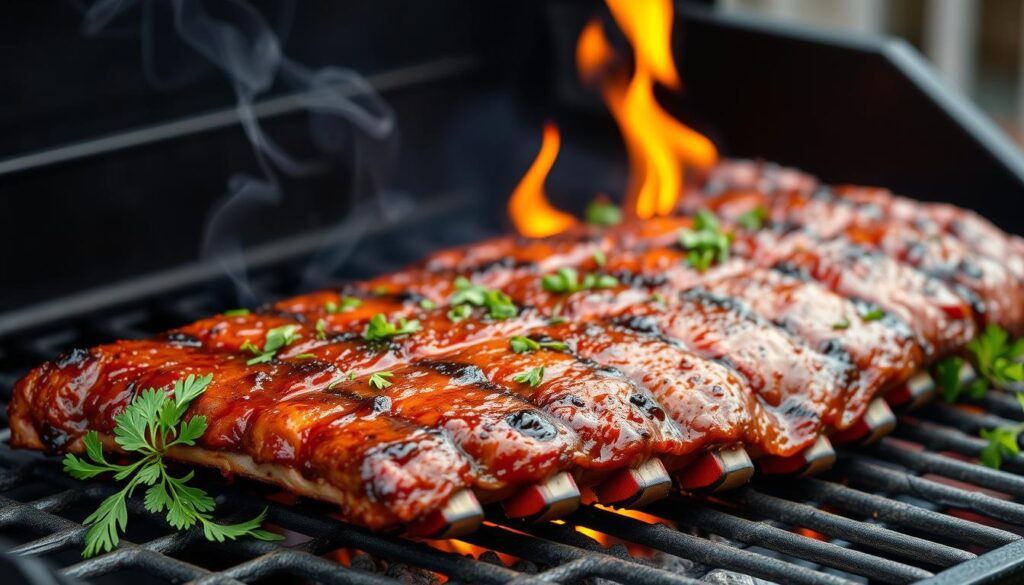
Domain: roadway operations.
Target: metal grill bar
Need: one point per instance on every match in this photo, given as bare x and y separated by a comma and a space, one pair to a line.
672, 541
925, 462
786, 542
862, 470
836, 526
898, 513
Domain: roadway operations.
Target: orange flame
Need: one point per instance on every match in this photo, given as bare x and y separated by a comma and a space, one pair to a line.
531, 213
659, 146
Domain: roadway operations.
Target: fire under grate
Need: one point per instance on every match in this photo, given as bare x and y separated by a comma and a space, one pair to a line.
915, 507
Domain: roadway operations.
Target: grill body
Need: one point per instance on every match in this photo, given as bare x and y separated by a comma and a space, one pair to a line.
913, 508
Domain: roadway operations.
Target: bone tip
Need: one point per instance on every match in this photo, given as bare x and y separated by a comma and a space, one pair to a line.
461, 515
554, 498
717, 470
877, 422
637, 486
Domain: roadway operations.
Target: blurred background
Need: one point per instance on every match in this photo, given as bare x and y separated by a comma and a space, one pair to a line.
976, 45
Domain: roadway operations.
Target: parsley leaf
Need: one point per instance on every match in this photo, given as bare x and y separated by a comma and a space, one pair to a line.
380, 328
532, 377
522, 344
236, 313
321, 329
706, 243
456, 314
346, 304
873, 315
427, 304
567, 280
499, 305
602, 213
753, 220
844, 324
599, 258
380, 380
997, 360
276, 338
148, 426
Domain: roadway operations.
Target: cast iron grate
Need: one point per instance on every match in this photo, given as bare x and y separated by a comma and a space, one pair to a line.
914, 507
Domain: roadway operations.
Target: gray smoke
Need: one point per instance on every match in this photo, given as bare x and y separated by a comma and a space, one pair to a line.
347, 117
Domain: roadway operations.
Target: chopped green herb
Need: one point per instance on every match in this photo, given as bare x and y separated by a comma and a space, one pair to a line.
499, 305
706, 243
873, 315
599, 258
276, 338
380, 328
753, 220
304, 356
380, 291
459, 313
567, 280
1002, 441
346, 304
321, 329
996, 359
427, 304
236, 313
602, 214
149, 426
556, 317
844, 324
532, 377
949, 379
380, 380
522, 344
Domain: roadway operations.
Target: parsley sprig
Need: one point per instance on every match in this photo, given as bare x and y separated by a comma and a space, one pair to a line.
602, 213
498, 304
567, 280
381, 380
149, 426
379, 328
345, 304
706, 243
277, 338
753, 220
998, 363
523, 344
531, 377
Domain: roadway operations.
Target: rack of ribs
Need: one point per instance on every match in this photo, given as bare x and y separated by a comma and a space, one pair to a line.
597, 364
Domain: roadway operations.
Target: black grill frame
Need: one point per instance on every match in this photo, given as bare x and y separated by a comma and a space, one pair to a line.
884, 519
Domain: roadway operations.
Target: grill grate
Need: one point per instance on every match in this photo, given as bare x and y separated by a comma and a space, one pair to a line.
891, 513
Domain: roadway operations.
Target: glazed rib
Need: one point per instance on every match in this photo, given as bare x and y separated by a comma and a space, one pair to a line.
405, 471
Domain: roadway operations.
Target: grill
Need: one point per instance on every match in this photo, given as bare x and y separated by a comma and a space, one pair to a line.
915, 507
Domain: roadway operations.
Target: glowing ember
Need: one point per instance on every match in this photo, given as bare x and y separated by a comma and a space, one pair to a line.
529, 208
659, 146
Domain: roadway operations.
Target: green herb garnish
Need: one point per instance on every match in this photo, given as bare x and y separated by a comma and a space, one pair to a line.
1002, 441
236, 313
522, 344
321, 329
996, 358
427, 304
602, 214
380, 328
599, 258
459, 313
380, 380
276, 338
149, 426
874, 314
304, 356
532, 377
346, 304
499, 305
753, 220
567, 280
706, 243
844, 324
